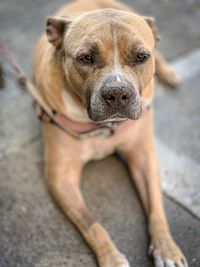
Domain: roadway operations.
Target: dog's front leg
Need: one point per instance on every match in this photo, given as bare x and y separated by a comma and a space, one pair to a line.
63, 171
145, 173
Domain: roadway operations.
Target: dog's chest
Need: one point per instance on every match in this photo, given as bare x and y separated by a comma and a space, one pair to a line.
96, 148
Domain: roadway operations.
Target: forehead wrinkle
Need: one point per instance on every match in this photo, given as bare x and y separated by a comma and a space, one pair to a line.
97, 42
93, 48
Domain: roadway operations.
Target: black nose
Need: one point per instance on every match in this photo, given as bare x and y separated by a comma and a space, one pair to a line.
116, 97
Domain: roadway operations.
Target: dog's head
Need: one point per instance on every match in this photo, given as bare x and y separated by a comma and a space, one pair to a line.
108, 60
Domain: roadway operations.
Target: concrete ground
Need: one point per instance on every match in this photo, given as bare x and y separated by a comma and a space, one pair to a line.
34, 232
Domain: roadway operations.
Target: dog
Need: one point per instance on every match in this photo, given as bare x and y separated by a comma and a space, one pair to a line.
96, 65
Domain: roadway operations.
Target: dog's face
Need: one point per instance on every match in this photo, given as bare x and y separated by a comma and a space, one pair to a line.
107, 56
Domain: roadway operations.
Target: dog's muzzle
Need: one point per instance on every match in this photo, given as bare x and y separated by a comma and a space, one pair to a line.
115, 101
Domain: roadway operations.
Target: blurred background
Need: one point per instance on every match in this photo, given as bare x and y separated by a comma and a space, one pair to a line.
33, 231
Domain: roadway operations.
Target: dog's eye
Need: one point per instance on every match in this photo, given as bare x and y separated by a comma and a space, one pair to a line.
141, 58
86, 59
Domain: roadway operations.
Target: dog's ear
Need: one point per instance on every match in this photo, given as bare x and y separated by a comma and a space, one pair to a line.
151, 22
56, 27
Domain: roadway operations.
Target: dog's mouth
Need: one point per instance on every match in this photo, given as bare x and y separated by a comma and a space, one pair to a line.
101, 115
113, 119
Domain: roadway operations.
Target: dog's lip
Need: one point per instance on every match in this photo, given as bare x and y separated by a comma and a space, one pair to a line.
113, 120
117, 119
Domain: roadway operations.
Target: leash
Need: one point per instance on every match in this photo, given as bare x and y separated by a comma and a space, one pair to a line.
43, 110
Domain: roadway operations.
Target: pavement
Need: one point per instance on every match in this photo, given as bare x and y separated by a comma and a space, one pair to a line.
34, 232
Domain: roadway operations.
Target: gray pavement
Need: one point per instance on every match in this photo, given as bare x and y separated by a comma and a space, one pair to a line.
33, 230
178, 134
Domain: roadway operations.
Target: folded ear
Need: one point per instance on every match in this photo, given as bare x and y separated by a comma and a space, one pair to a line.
151, 22
56, 27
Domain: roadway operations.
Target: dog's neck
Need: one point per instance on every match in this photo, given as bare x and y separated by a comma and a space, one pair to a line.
72, 109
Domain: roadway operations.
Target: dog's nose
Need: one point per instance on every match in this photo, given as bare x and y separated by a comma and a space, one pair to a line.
116, 97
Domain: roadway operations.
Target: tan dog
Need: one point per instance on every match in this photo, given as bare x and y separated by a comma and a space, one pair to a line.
98, 64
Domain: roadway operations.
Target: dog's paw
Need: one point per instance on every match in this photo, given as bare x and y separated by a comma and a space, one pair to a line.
169, 77
166, 253
113, 260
